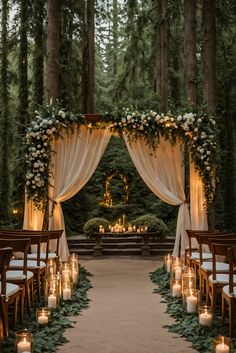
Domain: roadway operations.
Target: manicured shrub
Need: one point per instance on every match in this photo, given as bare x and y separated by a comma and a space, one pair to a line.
92, 225
152, 223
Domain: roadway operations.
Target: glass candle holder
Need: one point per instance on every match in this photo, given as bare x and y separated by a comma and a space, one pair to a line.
74, 259
191, 300
74, 273
188, 279
176, 271
176, 289
65, 271
205, 315
222, 344
167, 262
43, 316
51, 268
53, 299
66, 290
23, 342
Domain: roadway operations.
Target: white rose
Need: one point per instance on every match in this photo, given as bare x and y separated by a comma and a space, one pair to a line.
202, 150
141, 127
208, 168
28, 182
36, 165
199, 120
195, 138
50, 122
49, 131
208, 152
179, 118
196, 129
123, 120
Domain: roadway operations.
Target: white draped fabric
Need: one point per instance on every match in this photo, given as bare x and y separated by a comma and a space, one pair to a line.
75, 159
163, 172
33, 218
197, 199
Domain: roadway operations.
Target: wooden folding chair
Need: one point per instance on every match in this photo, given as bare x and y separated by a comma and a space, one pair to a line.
217, 280
192, 254
23, 278
229, 292
10, 293
37, 266
206, 267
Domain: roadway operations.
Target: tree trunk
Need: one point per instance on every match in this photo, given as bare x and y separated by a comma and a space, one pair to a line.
22, 117
38, 54
190, 64
161, 65
115, 36
89, 61
164, 60
53, 48
209, 54
158, 53
5, 116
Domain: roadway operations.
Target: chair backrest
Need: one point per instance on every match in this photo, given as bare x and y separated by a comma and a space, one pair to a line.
192, 234
18, 245
205, 239
220, 247
53, 235
36, 239
5, 257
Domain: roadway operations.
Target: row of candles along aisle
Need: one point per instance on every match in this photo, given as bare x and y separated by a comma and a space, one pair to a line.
183, 284
57, 286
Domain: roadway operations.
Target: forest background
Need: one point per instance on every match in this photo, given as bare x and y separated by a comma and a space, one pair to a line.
96, 56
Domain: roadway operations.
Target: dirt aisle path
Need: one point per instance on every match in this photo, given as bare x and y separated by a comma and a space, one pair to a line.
124, 315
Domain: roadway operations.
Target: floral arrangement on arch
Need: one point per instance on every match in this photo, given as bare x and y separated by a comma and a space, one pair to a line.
196, 129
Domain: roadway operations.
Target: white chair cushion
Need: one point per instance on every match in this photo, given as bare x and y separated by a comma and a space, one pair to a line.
18, 275
30, 264
10, 289
220, 266
226, 291
222, 278
205, 256
51, 255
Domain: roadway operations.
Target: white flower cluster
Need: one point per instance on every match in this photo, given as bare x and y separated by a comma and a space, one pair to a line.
38, 150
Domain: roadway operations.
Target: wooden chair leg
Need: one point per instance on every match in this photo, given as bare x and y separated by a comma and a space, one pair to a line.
231, 317
222, 310
14, 312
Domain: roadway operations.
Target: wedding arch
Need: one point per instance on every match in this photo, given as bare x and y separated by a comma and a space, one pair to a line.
63, 151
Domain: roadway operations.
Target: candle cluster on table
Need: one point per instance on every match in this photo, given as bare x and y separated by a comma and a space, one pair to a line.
43, 316
23, 342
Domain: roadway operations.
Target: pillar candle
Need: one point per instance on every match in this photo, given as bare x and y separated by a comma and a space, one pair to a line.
222, 348
191, 304
23, 346
176, 290
205, 319
52, 301
66, 294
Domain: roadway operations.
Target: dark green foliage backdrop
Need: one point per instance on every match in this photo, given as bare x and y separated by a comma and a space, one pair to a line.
86, 204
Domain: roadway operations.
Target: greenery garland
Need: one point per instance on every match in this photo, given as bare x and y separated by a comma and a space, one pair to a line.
48, 337
196, 129
187, 325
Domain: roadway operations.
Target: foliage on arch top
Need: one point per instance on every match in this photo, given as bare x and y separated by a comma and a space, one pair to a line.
196, 128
